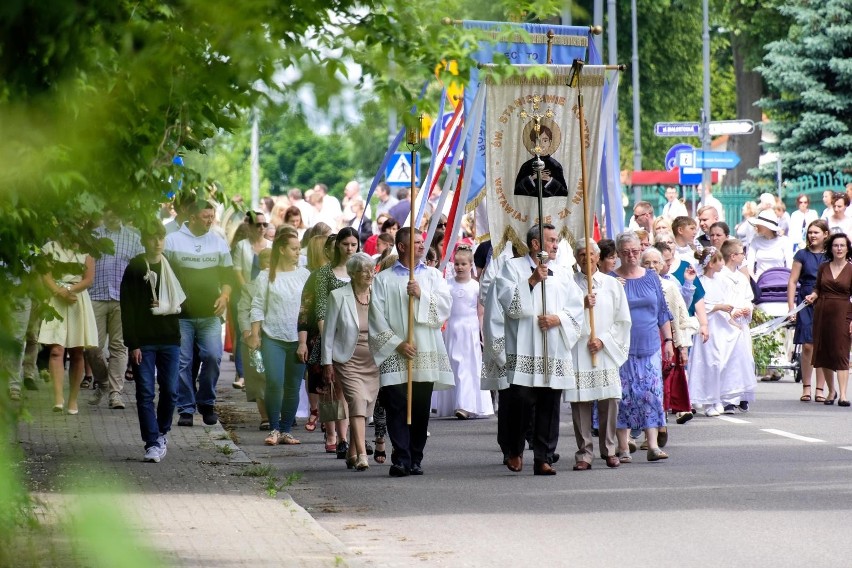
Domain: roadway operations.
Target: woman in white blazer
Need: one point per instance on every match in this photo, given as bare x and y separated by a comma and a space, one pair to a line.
346, 357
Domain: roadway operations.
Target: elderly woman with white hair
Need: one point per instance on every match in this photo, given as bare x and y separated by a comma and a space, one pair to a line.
597, 359
641, 403
346, 358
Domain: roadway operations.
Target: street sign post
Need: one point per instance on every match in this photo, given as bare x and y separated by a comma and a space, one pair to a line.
677, 129
730, 127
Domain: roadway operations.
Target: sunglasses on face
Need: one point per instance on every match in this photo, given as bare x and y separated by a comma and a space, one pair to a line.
442, 225
264, 225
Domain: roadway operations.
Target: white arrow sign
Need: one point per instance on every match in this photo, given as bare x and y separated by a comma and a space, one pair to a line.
731, 127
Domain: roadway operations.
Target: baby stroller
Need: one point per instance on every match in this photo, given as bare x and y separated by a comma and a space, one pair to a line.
771, 297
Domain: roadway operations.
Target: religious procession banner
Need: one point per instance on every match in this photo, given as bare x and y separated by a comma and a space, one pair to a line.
568, 43
539, 116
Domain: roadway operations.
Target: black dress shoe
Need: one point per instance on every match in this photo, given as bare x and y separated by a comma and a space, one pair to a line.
554, 458
342, 450
398, 471
416, 469
843, 403
543, 468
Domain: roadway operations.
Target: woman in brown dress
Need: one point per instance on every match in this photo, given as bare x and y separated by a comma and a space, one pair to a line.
346, 357
833, 316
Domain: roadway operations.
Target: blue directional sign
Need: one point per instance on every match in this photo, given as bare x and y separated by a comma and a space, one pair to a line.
689, 176
677, 129
716, 160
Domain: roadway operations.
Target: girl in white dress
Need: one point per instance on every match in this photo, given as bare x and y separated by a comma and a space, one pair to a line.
738, 381
75, 329
722, 368
461, 337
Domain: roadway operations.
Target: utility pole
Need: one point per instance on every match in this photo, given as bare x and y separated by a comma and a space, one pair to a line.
566, 13
637, 128
597, 20
705, 114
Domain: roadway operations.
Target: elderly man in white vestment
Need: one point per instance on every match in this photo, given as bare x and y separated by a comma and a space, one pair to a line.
598, 381
388, 342
532, 383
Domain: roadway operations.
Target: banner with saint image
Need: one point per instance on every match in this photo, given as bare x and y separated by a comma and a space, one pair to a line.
529, 116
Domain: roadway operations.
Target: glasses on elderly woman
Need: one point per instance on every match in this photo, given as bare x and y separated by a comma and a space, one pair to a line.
631, 252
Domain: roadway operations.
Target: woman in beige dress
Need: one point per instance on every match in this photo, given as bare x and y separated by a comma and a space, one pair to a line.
346, 357
75, 329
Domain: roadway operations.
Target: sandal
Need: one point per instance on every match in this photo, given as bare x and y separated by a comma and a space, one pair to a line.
819, 397
311, 424
805, 397
380, 455
330, 447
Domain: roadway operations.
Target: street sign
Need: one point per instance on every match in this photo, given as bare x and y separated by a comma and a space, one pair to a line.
686, 158
731, 127
398, 171
676, 129
689, 176
671, 155
716, 160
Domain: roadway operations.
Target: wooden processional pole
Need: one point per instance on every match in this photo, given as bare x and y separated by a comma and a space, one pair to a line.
584, 184
413, 141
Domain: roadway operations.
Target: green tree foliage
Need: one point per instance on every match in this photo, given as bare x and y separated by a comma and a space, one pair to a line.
809, 74
750, 25
670, 75
98, 96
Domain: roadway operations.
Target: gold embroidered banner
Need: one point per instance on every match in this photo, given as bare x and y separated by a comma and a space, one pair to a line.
540, 115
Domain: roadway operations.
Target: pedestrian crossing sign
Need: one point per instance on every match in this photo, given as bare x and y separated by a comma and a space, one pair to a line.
398, 171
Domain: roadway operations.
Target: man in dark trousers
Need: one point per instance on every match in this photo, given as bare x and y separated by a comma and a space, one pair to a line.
392, 351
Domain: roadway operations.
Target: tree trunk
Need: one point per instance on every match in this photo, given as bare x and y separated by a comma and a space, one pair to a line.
749, 90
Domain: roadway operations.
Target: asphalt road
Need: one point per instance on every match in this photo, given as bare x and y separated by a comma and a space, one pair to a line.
766, 488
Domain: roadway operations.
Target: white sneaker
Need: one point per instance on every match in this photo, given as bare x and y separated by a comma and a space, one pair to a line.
711, 412
163, 442
720, 408
153, 454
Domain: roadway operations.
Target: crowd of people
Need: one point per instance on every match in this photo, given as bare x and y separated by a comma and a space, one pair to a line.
311, 296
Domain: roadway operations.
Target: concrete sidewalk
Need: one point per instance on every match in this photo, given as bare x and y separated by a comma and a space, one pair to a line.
198, 507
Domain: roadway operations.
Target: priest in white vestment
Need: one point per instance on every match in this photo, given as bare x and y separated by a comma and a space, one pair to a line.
388, 335
598, 381
532, 383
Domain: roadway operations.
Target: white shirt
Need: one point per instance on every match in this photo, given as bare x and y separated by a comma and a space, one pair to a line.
764, 254
674, 209
797, 226
277, 305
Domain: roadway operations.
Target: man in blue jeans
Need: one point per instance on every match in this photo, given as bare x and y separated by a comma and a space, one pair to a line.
202, 262
150, 303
